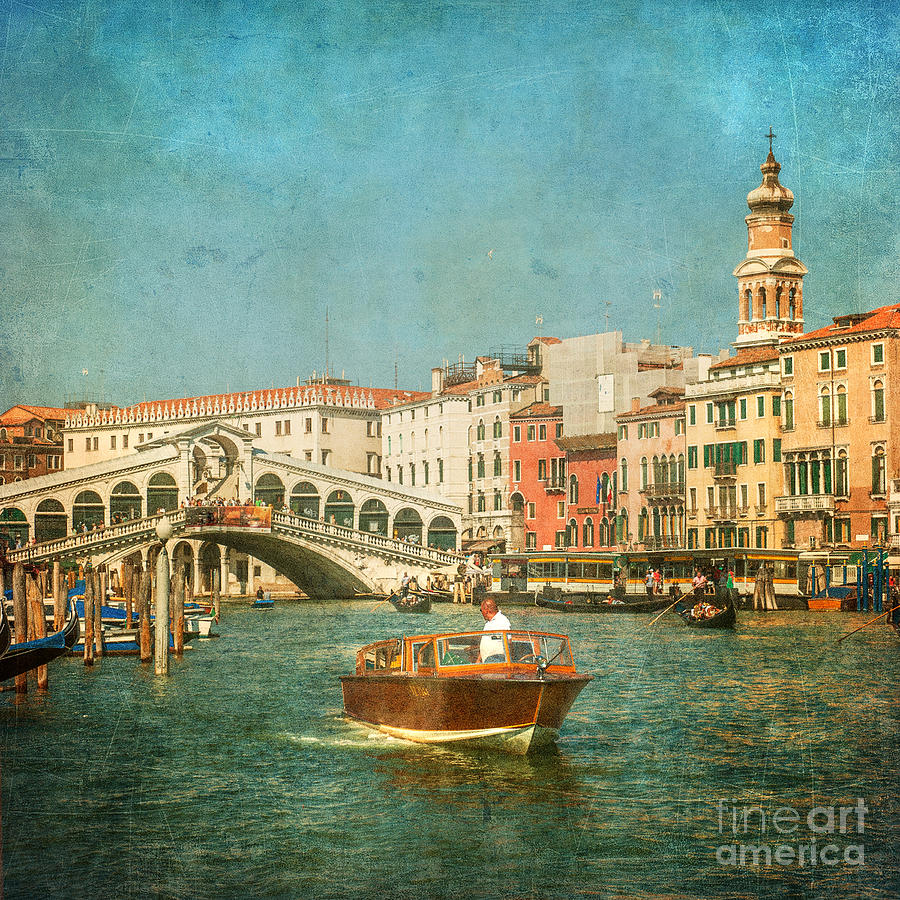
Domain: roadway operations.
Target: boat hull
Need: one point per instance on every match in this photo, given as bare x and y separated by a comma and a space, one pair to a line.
412, 602
724, 619
24, 657
515, 713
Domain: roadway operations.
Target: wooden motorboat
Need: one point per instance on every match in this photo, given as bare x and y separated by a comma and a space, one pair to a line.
414, 601
705, 614
503, 689
29, 655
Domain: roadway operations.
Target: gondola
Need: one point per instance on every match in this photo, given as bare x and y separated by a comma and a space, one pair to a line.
724, 618
578, 603
5, 631
414, 601
29, 655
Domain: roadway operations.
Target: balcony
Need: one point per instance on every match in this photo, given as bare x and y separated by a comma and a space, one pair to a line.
723, 513
664, 489
663, 543
555, 486
725, 468
725, 424
804, 505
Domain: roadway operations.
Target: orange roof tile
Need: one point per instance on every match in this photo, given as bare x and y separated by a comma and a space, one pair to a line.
538, 410
748, 357
874, 320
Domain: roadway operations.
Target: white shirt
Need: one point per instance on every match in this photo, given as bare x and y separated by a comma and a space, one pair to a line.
492, 644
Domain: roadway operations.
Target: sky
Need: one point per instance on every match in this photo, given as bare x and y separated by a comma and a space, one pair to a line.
188, 187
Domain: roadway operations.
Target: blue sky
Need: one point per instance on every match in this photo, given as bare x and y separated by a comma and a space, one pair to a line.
188, 186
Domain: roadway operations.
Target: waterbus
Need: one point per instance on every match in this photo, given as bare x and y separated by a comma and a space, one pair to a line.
795, 574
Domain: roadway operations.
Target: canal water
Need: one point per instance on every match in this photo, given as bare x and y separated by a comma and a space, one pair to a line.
239, 777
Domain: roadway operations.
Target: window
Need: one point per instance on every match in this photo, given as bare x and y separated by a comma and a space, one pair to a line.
124, 441
692, 457
788, 414
692, 414
307, 455
776, 449
531, 432
517, 470
559, 429
825, 361
762, 537
308, 425
517, 433
479, 400
112, 442
287, 426
498, 464
745, 496
560, 509
440, 471
587, 536
258, 428
573, 489
327, 453
709, 413
471, 471
542, 433
623, 477
72, 445
693, 500
825, 407
481, 465
776, 405
542, 470
644, 476
97, 442
498, 500
623, 433
498, 396
841, 405
324, 425
87, 443
840, 359
878, 401
679, 426
742, 407
877, 354
530, 540
278, 429
532, 511
760, 406
878, 471
498, 428
482, 502
412, 474
761, 494
787, 365
759, 450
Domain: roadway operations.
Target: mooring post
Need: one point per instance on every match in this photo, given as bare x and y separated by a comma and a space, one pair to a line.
100, 592
163, 532
88, 619
59, 597
20, 607
128, 588
144, 614
38, 620
178, 617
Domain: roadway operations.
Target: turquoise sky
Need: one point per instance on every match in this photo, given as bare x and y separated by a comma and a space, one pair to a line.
188, 186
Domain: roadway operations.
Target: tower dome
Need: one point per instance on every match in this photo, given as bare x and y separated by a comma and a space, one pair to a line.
771, 196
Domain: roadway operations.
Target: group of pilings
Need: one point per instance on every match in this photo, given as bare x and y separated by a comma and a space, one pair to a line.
142, 589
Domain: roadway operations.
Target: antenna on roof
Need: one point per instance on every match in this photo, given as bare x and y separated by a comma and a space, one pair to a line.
657, 303
396, 361
326, 343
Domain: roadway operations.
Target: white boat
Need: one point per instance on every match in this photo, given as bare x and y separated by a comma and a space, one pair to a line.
199, 624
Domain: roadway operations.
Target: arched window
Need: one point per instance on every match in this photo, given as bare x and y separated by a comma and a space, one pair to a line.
673, 470
88, 511
162, 493
878, 471
305, 499
841, 398
878, 401
787, 412
498, 428
498, 464
412, 441
604, 535
587, 533
762, 302
623, 478
479, 436
643, 525
792, 305
572, 536
373, 517
389, 446
573, 489
622, 526
825, 406
841, 484
779, 312
644, 481
680, 467
657, 472
269, 490
748, 299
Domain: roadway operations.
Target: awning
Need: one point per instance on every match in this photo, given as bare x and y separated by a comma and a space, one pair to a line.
482, 545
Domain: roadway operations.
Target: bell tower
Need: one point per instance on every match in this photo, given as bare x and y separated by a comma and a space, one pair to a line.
770, 278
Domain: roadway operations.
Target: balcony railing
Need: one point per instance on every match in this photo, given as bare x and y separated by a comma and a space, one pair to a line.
555, 486
804, 503
663, 543
723, 513
725, 468
723, 424
665, 489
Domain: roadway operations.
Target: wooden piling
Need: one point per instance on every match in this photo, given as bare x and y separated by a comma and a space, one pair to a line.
100, 594
144, 614
59, 597
128, 589
178, 611
88, 619
37, 619
20, 607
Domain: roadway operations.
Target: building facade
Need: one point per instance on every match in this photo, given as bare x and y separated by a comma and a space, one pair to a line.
839, 407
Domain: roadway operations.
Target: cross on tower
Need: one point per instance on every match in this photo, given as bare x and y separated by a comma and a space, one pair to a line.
770, 135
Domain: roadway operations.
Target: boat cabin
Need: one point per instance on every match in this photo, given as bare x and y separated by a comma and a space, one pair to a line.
467, 653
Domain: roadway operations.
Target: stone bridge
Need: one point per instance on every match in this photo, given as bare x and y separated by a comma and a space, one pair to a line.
330, 531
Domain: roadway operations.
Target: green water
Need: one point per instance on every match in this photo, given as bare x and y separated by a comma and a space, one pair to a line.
238, 776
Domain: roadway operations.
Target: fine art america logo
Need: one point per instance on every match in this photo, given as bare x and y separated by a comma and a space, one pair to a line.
785, 836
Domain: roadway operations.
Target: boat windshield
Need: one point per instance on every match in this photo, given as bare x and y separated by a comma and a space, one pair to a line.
527, 647
459, 649
487, 648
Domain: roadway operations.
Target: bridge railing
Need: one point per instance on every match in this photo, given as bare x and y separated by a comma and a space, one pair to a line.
181, 520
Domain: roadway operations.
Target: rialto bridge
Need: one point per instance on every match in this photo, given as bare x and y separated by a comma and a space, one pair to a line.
331, 532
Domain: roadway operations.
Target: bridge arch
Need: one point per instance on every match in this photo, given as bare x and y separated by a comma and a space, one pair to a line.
162, 493
182, 556
88, 511
305, 500
408, 525
14, 525
442, 533
373, 517
50, 520
339, 508
124, 502
269, 488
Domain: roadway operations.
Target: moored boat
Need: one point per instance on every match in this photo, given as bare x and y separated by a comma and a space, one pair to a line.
413, 601
594, 603
29, 655
503, 689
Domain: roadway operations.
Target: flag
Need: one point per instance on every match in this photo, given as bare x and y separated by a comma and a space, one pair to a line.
597, 500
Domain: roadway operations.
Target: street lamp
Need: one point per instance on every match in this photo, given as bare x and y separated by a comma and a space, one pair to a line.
163, 532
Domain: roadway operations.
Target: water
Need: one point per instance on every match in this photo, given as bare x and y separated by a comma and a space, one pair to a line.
239, 777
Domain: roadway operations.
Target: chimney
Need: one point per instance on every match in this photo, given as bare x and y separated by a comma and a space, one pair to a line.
437, 381
635, 404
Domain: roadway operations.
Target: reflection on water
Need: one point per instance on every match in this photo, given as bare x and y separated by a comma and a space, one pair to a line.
239, 775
